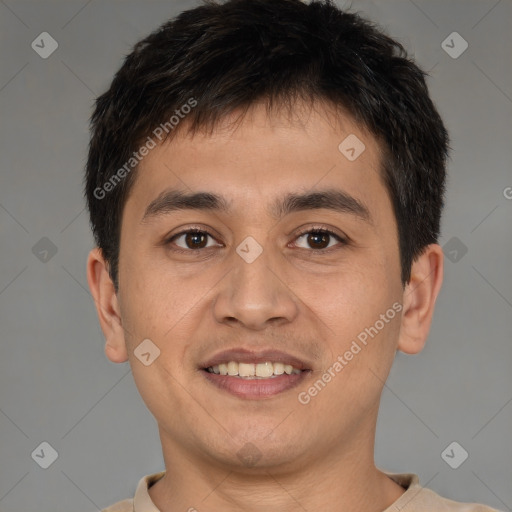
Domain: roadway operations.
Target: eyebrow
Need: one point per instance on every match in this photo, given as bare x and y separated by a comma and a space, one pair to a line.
331, 199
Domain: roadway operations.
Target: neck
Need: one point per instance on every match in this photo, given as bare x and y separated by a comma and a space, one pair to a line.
343, 479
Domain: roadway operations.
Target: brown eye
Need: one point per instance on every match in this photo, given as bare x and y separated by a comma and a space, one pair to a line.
319, 239
195, 240
192, 239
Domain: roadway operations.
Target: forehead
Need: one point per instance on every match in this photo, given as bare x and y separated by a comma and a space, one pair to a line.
257, 157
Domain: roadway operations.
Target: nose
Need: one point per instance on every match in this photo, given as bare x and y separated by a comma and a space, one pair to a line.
255, 294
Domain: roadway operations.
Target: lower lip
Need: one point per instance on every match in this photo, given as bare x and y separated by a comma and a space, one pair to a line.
255, 389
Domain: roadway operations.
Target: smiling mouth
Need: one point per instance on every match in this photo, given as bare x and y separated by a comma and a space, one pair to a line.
250, 371
254, 381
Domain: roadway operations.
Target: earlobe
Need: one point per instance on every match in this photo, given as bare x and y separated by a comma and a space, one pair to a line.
107, 306
419, 299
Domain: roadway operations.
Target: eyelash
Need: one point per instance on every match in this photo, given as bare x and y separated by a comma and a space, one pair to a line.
312, 230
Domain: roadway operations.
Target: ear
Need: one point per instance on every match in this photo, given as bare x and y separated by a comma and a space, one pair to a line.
107, 306
419, 299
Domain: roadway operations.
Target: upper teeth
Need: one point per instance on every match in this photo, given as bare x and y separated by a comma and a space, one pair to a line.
266, 369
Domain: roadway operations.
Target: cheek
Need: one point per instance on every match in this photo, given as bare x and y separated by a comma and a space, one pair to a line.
163, 309
353, 297
148, 296
162, 393
360, 345
358, 309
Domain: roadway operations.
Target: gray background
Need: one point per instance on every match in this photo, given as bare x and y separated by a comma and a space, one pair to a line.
56, 385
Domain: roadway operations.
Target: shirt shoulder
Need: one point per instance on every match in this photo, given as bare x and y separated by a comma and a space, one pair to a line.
120, 506
429, 500
421, 499
141, 502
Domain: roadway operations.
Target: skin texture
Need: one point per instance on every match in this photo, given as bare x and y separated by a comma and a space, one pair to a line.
192, 305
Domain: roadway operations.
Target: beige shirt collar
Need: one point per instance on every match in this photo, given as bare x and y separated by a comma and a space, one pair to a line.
142, 501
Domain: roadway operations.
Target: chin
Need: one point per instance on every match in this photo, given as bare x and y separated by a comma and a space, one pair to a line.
252, 451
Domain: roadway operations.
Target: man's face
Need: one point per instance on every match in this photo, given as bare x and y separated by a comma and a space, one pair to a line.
304, 300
